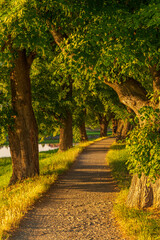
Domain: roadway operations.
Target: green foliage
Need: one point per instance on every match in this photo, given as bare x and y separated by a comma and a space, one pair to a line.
5, 171
144, 145
6, 113
76, 134
120, 42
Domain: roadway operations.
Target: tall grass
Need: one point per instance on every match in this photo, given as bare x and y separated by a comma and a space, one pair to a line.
16, 200
5, 171
137, 224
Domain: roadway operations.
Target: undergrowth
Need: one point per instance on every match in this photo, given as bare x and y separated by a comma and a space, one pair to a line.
137, 224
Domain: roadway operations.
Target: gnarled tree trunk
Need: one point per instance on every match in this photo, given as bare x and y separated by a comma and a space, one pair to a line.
23, 135
141, 194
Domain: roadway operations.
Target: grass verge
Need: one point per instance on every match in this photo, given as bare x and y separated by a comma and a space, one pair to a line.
137, 224
16, 200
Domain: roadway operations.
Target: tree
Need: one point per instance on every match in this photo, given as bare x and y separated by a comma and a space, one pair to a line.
121, 47
25, 35
17, 55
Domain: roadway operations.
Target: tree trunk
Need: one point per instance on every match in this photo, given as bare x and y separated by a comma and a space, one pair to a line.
66, 134
114, 126
23, 135
83, 133
103, 125
142, 195
126, 128
123, 127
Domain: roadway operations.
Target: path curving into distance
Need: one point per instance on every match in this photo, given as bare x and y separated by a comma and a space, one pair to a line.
79, 205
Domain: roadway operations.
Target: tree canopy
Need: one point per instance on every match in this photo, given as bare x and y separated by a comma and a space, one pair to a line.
66, 49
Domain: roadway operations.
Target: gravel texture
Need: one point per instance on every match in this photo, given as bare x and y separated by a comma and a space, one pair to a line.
79, 205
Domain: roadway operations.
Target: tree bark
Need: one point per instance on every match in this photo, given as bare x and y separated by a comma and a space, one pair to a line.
114, 126
140, 195
120, 125
126, 128
83, 134
66, 134
123, 127
103, 125
23, 135
131, 93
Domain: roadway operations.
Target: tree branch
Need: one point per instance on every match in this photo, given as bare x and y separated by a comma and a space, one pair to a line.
131, 93
30, 58
58, 37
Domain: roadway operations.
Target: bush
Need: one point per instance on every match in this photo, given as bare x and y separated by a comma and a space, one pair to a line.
144, 145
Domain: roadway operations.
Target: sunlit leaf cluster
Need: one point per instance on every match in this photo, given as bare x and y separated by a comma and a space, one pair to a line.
144, 145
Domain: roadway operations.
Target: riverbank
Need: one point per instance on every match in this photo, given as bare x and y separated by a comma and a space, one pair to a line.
5, 150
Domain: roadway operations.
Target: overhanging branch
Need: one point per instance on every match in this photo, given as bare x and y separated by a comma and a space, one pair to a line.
131, 93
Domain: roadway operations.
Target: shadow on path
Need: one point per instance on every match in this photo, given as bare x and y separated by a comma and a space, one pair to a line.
79, 205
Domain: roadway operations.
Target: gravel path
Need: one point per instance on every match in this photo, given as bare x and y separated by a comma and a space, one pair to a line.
79, 205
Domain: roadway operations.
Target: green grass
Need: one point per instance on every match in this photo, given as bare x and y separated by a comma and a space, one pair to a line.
5, 171
137, 224
93, 132
16, 200
117, 157
47, 141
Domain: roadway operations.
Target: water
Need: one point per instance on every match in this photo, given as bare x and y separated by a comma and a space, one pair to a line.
5, 150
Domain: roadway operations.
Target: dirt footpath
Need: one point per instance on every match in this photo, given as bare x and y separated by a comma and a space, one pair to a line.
79, 205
